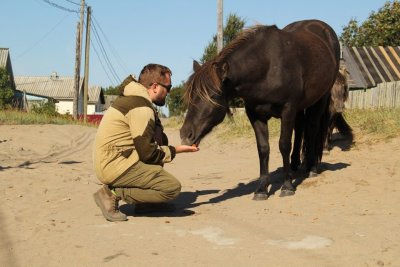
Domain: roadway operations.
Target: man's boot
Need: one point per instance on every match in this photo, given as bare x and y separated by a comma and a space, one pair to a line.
108, 203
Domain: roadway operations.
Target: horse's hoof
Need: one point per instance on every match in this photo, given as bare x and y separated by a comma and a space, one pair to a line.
260, 196
312, 174
286, 193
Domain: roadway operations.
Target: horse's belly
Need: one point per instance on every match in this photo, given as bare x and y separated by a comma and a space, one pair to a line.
268, 110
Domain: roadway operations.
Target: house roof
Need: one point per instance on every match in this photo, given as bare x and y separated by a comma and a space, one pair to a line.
369, 66
5, 62
54, 86
3, 57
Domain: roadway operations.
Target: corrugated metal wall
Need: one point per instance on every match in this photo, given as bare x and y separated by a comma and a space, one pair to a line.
385, 95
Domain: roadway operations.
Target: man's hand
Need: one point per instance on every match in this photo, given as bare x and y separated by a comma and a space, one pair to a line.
184, 148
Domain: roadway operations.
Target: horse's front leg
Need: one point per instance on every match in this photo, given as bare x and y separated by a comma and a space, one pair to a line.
285, 145
261, 132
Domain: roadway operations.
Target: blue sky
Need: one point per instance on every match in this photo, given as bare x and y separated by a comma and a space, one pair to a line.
41, 37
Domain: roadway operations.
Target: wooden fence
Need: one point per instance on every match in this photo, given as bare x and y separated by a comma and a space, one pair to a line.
385, 95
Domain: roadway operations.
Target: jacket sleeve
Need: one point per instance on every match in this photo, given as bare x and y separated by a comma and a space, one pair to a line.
142, 126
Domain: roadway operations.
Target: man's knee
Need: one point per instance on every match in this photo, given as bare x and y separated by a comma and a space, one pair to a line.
173, 190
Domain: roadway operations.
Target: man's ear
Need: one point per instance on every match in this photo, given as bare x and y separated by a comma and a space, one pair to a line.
152, 87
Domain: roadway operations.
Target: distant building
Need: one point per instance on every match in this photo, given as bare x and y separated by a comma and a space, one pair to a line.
61, 91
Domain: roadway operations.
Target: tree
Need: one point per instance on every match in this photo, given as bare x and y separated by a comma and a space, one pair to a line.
174, 101
234, 25
382, 28
6, 91
111, 90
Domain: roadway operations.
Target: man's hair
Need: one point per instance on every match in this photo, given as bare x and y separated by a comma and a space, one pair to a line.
153, 73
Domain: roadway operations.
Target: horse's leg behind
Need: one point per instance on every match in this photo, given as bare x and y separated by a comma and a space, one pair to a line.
328, 141
343, 127
261, 131
298, 141
288, 121
316, 128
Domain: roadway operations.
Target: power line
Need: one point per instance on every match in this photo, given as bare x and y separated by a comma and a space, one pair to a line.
41, 39
106, 58
119, 59
60, 7
72, 2
102, 65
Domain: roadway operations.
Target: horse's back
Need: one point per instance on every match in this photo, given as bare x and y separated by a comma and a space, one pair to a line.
312, 31
319, 53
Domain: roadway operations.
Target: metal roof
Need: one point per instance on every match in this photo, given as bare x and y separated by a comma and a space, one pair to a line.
5, 62
3, 57
54, 86
369, 66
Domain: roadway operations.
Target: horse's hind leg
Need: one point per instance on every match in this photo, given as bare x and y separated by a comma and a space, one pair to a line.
298, 140
317, 119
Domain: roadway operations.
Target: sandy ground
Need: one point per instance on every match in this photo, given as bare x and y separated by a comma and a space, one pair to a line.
348, 216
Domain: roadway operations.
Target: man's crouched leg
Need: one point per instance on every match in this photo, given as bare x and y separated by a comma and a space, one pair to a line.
148, 187
108, 203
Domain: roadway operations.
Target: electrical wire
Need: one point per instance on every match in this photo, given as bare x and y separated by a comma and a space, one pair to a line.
119, 59
72, 2
102, 65
41, 39
60, 7
105, 55
112, 80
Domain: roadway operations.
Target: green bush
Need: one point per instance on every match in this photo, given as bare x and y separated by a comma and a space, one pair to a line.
46, 108
6, 92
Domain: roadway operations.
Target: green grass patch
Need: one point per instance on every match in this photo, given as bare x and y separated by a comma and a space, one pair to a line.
14, 117
369, 125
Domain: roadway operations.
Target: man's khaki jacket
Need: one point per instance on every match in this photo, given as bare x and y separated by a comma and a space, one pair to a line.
126, 135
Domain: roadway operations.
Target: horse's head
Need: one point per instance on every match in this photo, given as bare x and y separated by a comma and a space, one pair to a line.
340, 91
206, 101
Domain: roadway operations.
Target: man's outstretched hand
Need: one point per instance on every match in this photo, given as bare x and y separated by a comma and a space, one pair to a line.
184, 148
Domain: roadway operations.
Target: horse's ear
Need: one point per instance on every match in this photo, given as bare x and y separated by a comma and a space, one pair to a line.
223, 70
196, 65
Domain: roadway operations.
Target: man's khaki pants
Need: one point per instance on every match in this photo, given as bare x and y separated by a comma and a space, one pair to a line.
145, 183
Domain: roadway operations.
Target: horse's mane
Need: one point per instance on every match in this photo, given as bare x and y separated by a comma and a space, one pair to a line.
239, 40
206, 79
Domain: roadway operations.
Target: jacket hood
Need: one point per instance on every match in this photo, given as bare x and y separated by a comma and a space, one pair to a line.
136, 89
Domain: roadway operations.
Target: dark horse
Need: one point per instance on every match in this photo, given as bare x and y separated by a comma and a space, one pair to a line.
339, 95
277, 73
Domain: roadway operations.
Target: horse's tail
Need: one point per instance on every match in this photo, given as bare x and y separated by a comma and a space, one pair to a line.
343, 127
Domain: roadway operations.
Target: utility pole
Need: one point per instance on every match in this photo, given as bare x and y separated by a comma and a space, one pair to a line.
220, 28
86, 75
79, 33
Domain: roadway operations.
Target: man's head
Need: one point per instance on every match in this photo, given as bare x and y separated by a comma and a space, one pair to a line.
157, 79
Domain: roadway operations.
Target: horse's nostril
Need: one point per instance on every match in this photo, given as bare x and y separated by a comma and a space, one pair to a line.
190, 135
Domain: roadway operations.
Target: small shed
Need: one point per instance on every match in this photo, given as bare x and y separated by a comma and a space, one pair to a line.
374, 76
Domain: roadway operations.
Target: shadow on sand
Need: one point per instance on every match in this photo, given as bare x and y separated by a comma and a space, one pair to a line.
188, 200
